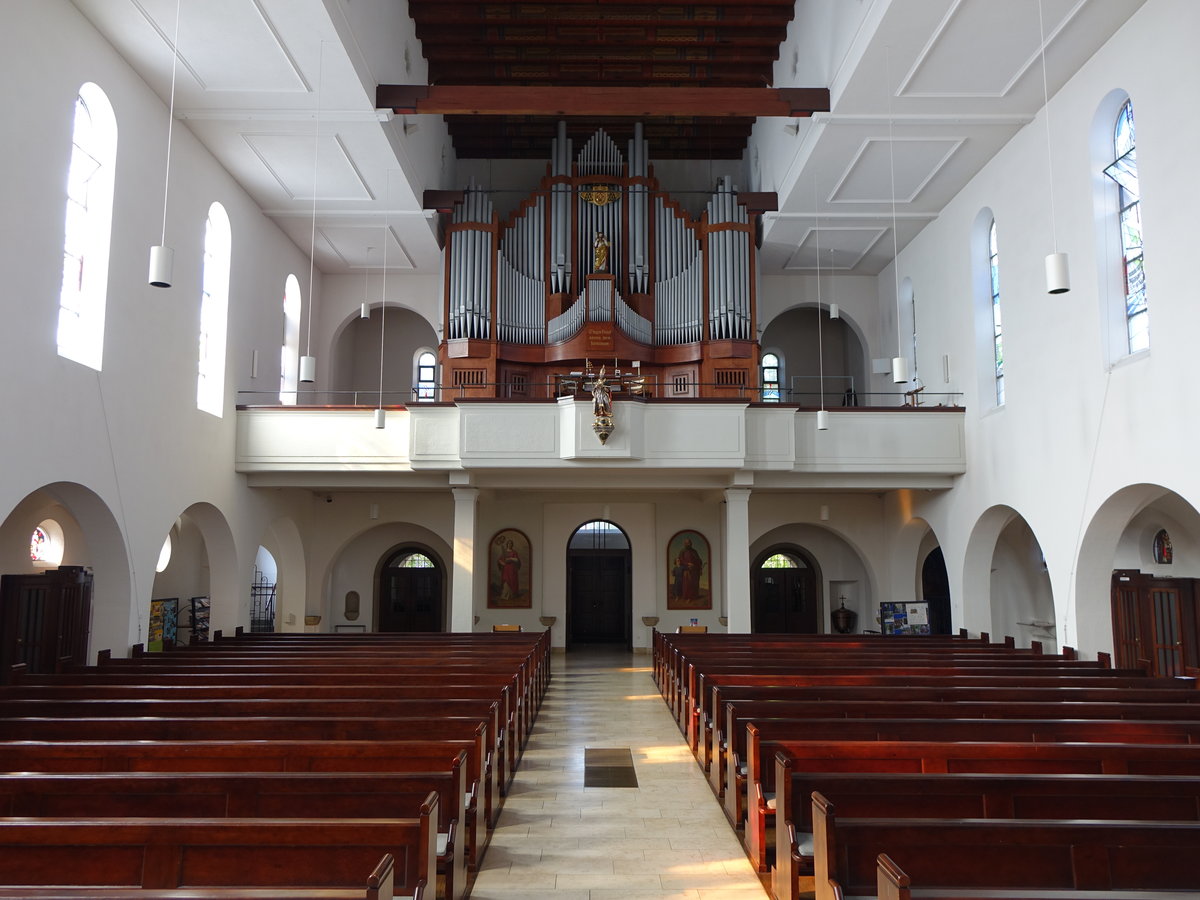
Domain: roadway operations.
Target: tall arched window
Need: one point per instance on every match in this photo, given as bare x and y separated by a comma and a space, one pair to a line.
1123, 170
88, 229
426, 376
769, 378
997, 338
289, 354
214, 311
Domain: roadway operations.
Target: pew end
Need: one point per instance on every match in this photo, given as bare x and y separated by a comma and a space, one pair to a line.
893, 884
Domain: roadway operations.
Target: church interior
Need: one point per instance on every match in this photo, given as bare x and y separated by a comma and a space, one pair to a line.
599, 320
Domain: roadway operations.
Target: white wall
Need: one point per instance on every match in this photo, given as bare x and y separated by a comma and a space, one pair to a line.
127, 442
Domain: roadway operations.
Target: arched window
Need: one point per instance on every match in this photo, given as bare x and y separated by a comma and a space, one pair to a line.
46, 544
426, 376
598, 535
289, 354
769, 378
997, 338
88, 229
414, 560
214, 311
1123, 170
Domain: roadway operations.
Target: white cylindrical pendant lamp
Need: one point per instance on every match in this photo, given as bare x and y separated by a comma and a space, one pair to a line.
834, 312
381, 418
899, 369
308, 369
162, 261
822, 420
365, 311
1058, 273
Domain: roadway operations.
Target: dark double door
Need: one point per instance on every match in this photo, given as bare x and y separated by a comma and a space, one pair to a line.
410, 599
599, 598
786, 601
1155, 620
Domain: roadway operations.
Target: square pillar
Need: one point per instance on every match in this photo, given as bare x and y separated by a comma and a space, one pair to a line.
736, 566
462, 579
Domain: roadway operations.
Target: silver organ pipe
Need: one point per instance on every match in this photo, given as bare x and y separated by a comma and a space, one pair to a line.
520, 301
678, 278
728, 266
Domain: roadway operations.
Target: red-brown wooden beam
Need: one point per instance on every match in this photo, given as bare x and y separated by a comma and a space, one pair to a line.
646, 102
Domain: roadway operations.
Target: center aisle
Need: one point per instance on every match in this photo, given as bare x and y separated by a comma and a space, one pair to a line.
559, 840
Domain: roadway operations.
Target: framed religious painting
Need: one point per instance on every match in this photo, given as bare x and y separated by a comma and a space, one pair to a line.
509, 571
689, 582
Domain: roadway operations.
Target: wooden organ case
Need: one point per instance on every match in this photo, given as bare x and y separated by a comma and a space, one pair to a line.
599, 264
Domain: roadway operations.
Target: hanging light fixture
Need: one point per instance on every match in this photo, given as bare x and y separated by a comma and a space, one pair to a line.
364, 311
899, 363
380, 412
162, 257
1058, 266
822, 415
308, 362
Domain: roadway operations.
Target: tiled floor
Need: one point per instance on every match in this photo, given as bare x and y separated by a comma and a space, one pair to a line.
666, 838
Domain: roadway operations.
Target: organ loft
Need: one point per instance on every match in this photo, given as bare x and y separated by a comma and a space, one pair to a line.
598, 265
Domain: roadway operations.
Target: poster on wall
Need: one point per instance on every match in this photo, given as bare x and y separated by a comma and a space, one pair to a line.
904, 618
688, 581
509, 566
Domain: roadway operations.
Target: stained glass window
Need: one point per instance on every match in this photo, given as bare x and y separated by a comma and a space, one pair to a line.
997, 338
38, 544
770, 378
415, 561
780, 561
1123, 171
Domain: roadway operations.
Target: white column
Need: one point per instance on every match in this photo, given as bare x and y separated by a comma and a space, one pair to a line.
737, 560
462, 581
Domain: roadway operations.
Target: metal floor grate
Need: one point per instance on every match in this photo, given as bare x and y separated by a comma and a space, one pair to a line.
609, 767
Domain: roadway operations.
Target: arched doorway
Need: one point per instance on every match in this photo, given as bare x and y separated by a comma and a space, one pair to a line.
785, 595
935, 590
410, 591
599, 591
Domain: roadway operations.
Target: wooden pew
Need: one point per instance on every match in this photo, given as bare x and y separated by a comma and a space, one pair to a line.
254, 756
750, 789
261, 795
711, 730
964, 795
1021, 854
170, 853
731, 756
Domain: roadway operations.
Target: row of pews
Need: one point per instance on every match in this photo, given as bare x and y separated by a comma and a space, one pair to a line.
898, 767
264, 767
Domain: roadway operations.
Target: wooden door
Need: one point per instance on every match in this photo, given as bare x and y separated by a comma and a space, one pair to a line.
599, 607
410, 596
45, 618
1155, 621
785, 597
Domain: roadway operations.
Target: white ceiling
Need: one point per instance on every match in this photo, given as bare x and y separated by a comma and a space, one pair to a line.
933, 87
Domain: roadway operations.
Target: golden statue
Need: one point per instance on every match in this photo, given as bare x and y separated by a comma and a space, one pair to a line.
600, 253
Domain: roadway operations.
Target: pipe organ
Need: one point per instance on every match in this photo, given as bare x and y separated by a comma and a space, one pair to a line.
598, 262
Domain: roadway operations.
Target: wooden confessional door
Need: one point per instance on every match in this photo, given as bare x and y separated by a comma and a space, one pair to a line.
410, 599
785, 600
600, 604
1155, 619
44, 619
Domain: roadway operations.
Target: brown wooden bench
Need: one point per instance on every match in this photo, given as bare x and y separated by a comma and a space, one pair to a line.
964, 795
170, 853
262, 795
730, 754
752, 784
1063, 855
252, 756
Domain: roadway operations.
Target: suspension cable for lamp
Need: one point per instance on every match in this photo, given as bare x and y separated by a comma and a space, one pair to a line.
312, 240
1046, 115
383, 300
820, 345
171, 119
